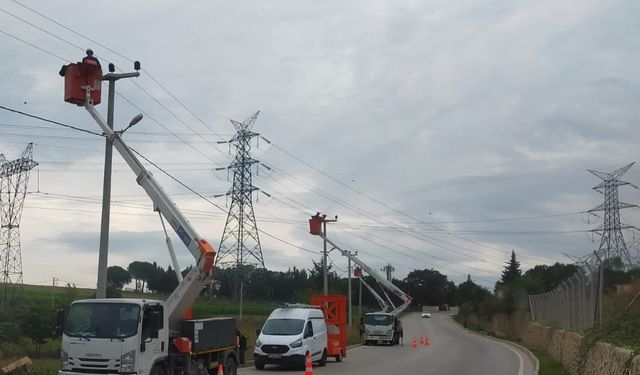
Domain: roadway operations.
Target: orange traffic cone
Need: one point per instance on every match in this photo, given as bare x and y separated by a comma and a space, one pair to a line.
308, 366
421, 339
426, 341
414, 343
220, 369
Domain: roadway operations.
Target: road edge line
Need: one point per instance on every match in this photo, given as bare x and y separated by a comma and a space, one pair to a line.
532, 357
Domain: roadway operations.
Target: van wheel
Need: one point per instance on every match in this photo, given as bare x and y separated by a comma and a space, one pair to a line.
259, 365
323, 359
338, 358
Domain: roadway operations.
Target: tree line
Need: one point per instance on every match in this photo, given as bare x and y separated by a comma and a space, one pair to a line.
426, 286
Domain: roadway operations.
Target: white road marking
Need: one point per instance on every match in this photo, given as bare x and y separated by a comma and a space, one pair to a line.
520, 358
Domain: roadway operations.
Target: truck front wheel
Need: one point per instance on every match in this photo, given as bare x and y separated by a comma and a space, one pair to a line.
231, 368
157, 370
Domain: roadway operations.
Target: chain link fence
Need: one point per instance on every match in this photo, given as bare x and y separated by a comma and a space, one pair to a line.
572, 305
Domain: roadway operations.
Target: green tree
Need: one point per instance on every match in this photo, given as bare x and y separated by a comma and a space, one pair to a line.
118, 277
543, 278
38, 323
141, 272
470, 292
429, 287
512, 271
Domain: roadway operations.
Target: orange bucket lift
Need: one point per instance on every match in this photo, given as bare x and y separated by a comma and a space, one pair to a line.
335, 315
315, 224
79, 76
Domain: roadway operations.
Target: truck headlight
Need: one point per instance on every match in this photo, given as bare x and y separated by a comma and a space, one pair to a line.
64, 357
258, 343
389, 332
128, 362
296, 344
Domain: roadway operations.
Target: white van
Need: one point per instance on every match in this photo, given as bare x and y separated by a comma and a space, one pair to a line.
289, 334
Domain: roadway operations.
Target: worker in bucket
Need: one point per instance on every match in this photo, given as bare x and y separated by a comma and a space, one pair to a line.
90, 59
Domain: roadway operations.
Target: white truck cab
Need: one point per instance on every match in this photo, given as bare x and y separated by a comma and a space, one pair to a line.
382, 327
289, 334
114, 336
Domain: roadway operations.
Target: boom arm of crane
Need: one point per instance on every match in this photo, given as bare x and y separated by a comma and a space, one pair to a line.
379, 278
188, 290
383, 304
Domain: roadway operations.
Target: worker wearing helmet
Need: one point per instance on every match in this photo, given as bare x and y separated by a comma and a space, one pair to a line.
90, 59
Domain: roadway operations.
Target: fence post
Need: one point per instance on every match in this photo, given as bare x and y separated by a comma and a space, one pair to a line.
571, 305
565, 304
581, 300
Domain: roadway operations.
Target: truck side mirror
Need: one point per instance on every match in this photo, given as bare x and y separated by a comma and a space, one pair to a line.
257, 331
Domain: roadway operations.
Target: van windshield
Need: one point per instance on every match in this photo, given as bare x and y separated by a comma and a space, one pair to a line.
283, 327
377, 320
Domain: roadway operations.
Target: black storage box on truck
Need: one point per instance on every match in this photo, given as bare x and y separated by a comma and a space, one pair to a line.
209, 334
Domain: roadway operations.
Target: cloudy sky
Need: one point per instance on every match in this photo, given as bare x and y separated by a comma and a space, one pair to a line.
443, 134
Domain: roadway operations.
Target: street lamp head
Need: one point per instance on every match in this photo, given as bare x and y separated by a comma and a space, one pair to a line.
136, 119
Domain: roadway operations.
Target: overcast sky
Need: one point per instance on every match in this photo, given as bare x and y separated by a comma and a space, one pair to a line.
443, 134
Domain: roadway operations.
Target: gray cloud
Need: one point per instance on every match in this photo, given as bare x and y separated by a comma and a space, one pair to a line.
469, 111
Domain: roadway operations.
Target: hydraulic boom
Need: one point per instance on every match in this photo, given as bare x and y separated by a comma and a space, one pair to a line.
189, 288
314, 224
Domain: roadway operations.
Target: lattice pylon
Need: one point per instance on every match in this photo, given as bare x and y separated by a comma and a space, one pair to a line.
240, 244
612, 244
14, 178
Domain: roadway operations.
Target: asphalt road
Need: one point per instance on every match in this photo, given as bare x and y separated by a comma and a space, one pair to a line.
451, 350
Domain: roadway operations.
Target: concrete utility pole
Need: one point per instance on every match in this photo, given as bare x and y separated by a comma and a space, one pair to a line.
360, 298
324, 252
349, 288
103, 257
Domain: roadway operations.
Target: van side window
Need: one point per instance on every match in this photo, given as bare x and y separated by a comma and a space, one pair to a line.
308, 331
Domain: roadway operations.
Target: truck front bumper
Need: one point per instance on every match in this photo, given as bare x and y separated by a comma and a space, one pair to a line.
378, 338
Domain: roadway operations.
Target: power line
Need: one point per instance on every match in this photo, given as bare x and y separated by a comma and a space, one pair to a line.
40, 28
448, 232
213, 203
50, 121
125, 57
33, 45
71, 30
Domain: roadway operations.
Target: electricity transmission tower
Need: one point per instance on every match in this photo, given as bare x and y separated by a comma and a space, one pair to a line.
14, 177
388, 269
612, 243
240, 244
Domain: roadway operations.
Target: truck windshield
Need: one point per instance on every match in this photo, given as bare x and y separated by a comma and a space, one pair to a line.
378, 320
283, 327
102, 320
